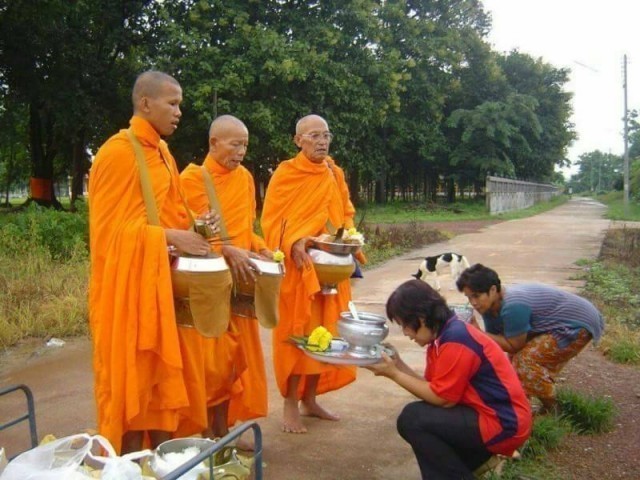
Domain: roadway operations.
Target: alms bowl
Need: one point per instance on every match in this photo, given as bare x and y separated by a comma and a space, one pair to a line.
337, 248
364, 333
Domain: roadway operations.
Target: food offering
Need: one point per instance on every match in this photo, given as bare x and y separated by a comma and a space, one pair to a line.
332, 257
324, 347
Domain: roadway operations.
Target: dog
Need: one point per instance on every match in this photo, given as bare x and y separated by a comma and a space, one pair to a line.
430, 266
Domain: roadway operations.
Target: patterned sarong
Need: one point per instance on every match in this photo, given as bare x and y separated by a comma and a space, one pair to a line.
541, 360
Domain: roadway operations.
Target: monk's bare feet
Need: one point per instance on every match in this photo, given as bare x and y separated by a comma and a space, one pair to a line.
312, 409
292, 423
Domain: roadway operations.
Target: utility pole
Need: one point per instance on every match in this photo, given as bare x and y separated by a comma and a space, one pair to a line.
626, 142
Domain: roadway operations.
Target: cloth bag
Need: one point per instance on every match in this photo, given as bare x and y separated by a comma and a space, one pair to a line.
252, 301
201, 298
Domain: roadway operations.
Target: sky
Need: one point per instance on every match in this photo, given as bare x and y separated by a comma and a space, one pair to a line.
590, 38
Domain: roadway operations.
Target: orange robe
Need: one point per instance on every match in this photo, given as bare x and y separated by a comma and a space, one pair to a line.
137, 364
305, 195
235, 366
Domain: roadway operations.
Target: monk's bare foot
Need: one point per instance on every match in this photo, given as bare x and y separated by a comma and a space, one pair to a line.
292, 423
312, 409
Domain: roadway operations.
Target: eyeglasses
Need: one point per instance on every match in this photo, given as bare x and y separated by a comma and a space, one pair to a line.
328, 136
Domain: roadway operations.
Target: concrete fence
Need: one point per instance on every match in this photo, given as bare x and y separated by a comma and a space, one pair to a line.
506, 195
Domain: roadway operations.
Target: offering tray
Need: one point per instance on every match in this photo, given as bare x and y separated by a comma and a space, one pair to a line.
338, 354
337, 248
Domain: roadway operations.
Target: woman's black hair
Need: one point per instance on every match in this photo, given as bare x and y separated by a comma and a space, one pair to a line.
415, 301
478, 278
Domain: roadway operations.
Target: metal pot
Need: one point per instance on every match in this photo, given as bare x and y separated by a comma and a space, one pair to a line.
364, 333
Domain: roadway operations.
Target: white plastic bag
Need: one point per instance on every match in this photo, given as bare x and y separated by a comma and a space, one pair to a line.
63, 459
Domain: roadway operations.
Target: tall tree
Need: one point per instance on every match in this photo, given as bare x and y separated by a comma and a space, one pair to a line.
68, 62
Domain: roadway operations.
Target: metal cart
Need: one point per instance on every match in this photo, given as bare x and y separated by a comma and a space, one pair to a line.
29, 416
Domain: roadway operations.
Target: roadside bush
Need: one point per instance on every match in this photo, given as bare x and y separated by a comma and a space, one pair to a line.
383, 243
61, 233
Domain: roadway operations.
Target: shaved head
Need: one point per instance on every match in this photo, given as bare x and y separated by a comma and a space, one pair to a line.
149, 84
224, 124
228, 141
310, 120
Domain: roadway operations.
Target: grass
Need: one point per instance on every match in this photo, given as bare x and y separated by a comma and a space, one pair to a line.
581, 414
41, 296
585, 413
615, 207
612, 283
403, 212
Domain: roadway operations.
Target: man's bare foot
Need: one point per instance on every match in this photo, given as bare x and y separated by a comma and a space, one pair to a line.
292, 423
312, 409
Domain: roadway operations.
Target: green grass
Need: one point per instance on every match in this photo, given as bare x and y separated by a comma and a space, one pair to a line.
586, 414
612, 283
407, 212
615, 207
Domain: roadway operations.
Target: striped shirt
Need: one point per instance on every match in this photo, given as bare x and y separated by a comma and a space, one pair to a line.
536, 309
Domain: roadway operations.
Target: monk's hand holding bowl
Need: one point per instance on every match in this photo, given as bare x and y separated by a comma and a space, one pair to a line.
208, 224
299, 253
187, 241
239, 260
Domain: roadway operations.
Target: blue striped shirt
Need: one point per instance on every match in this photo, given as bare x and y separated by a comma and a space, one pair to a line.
535, 309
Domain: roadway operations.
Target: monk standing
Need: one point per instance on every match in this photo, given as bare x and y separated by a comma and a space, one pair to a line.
235, 376
304, 194
139, 383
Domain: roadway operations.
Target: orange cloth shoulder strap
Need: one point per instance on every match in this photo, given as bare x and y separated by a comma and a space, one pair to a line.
214, 203
145, 180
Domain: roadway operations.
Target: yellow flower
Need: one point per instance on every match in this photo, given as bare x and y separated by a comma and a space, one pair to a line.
352, 231
278, 256
319, 340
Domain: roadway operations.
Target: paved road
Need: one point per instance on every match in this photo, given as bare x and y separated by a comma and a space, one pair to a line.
364, 444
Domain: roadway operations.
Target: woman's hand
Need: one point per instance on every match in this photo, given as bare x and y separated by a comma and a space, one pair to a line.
386, 367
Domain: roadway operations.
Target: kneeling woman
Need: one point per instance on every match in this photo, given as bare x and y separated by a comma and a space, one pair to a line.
472, 404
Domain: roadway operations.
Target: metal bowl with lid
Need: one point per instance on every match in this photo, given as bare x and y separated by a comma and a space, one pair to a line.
362, 333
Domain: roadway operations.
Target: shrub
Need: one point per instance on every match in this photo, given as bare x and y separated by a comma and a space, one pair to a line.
61, 233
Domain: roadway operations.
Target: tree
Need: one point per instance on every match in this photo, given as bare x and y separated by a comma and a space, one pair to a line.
13, 135
68, 62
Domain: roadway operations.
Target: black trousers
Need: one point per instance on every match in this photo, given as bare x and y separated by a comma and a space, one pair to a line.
445, 441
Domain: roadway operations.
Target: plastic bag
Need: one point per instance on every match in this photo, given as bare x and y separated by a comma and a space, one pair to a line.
64, 458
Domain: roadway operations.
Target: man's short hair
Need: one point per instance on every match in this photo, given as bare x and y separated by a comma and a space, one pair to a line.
478, 278
148, 84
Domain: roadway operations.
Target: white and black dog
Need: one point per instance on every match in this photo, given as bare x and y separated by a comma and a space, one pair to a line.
430, 266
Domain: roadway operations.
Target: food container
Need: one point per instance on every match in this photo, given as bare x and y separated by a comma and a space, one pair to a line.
337, 248
331, 269
172, 454
363, 334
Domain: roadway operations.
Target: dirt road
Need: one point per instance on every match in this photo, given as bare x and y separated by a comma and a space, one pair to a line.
364, 443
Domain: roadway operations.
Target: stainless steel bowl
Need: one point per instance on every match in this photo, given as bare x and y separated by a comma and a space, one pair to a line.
336, 248
362, 334
161, 463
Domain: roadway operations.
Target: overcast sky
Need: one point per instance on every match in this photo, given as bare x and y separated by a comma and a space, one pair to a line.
590, 38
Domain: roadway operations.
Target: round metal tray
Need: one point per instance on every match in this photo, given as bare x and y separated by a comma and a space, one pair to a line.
336, 248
